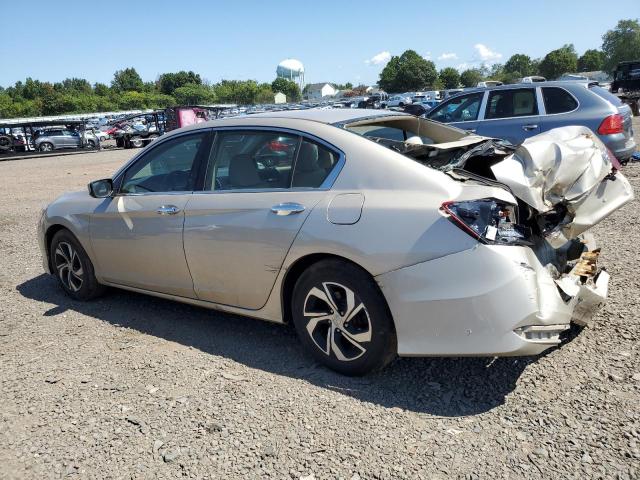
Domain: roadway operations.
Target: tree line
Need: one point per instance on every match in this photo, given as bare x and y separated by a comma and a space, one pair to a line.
412, 72
129, 92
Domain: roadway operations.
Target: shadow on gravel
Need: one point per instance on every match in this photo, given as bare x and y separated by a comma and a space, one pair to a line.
447, 387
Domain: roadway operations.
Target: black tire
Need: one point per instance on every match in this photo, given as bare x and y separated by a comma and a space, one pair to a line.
46, 147
5, 143
328, 339
401, 104
77, 279
91, 144
136, 142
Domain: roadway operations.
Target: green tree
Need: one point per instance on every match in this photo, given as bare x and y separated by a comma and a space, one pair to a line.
35, 89
194, 94
289, 88
592, 60
558, 62
101, 89
76, 85
518, 65
621, 44
407, 72
169, 82
471, 77
265, 93
343, 86
449, 77
127, 80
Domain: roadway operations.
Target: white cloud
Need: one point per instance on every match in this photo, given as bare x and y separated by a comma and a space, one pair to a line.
485, 54
379, 59
448, 56
427, 56
463, 66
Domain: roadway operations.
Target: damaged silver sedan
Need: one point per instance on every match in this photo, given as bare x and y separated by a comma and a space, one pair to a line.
377, 234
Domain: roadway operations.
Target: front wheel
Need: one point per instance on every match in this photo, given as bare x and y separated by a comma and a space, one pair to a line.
136, 142
342, 318
73, 268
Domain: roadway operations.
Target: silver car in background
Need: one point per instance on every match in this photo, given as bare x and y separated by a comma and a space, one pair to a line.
60, 138
516, 112
376, 233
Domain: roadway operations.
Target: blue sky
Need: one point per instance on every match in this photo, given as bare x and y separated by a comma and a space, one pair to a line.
337, 41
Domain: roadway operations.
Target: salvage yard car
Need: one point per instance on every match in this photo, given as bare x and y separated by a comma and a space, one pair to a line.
376, 233
519, 111
59, 138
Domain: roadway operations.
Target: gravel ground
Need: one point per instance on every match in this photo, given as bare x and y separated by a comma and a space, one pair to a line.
131, 386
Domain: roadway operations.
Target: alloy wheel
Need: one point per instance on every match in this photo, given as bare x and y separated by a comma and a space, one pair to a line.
337, 321
46, 147
68, 266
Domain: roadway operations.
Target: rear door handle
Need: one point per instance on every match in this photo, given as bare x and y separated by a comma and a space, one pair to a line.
529, 127
287, 208
168, 210
471, 130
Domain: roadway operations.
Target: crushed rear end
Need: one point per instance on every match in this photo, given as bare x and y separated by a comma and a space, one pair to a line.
535, 268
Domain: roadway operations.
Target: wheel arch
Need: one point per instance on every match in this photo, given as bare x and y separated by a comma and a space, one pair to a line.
297, 268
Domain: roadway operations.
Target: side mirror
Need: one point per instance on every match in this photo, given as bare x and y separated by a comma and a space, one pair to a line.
101, 188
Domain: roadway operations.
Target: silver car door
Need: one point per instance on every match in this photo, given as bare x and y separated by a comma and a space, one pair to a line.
69, 139
137, 235
511, 114
260, 186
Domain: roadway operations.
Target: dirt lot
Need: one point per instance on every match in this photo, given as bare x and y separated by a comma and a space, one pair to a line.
136, 387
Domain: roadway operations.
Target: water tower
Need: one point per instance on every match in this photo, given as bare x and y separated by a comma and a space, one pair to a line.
293, 70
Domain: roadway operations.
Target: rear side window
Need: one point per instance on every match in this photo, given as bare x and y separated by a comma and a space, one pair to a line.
608, 96
313, 165
261, 160
511, 103
558, 100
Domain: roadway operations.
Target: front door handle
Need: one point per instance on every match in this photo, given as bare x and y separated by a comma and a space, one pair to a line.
287, 208
529, 127
168, 210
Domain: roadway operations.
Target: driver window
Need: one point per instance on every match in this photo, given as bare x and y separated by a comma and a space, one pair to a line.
464, 108
166, 168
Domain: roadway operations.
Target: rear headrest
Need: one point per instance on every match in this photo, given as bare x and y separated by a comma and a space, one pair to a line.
307, 158
325, 159
243, 171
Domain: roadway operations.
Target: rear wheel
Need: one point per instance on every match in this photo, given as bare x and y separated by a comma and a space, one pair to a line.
342, 318
5, 143
46, 147
91, 144
73, 268
136, 142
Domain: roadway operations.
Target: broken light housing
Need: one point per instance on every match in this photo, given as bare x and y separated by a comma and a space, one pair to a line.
489, 220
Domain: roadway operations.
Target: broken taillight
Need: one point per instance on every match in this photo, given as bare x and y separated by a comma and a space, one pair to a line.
489, 220
612, 124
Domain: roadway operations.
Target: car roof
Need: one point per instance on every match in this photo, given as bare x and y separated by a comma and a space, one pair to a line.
329, 116
511, 86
